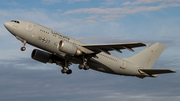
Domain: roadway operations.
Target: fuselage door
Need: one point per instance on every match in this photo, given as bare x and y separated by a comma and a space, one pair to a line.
123, 64
29, 26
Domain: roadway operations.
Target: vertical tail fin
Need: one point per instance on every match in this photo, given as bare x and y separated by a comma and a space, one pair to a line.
147, 57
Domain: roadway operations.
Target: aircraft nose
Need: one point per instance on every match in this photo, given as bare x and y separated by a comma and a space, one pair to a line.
6, 24
9, 26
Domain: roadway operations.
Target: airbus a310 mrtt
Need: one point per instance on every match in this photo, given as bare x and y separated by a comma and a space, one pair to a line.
64, 51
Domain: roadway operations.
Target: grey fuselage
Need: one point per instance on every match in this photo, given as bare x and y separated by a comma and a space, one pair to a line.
48, 39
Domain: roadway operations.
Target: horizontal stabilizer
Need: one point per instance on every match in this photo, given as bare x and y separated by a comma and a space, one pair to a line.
157, 71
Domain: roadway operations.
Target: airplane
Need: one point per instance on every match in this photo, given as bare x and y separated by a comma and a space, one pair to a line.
64, 51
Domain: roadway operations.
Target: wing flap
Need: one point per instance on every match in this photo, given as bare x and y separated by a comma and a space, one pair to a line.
157, 71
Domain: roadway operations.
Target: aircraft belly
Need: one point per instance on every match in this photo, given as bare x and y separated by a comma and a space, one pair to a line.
104, 65
95, 65
113, 67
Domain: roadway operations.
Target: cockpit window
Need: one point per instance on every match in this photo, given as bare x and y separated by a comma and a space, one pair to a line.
15, 21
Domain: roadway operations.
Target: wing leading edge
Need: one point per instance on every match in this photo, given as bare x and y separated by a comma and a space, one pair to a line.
117, 47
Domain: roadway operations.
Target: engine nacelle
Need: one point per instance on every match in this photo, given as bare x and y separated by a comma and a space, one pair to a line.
41, 56
69, 48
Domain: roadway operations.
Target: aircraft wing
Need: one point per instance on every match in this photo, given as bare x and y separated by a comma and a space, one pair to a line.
109, 47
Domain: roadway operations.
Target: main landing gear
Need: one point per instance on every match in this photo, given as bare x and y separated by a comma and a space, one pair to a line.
23, 48
81, 66
67, 71
84, 65
66, 68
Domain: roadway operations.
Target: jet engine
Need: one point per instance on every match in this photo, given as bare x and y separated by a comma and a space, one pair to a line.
69, 48
41, 56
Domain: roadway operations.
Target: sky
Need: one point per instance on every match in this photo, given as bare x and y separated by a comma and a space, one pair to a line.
92, 22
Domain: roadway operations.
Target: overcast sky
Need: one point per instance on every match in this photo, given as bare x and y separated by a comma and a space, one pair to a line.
90, 21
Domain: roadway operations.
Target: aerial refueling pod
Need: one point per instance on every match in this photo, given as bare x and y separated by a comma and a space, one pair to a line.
69, 48
41, 56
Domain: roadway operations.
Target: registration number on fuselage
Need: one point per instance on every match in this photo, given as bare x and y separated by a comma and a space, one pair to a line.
42, 39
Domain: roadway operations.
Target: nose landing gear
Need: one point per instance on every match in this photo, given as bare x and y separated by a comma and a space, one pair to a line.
23, 48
